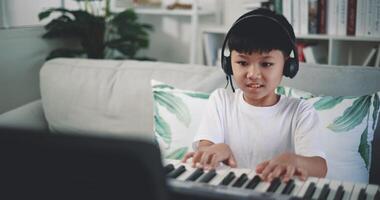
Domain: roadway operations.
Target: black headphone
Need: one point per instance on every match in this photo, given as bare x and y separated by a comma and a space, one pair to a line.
291, 65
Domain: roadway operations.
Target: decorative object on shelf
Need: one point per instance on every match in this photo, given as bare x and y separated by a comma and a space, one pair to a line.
101, 35
148, 3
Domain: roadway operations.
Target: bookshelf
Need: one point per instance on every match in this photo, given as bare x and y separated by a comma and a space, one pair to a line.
333, 49
194, 13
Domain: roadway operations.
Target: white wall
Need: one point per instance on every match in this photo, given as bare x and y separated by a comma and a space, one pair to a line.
23, 52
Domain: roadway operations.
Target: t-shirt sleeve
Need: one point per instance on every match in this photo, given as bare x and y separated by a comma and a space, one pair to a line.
211, 126
308, 132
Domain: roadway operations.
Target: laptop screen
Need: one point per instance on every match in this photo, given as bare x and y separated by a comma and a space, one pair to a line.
41, 165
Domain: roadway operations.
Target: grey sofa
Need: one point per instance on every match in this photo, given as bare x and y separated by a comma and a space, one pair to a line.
114, 97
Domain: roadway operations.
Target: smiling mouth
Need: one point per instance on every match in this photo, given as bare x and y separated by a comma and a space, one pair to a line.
255, 85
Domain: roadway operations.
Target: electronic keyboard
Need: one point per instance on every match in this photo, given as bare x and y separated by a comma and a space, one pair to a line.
227, 183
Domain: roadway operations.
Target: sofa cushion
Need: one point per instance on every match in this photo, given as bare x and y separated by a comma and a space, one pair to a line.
349, 124
113, 97
177, 115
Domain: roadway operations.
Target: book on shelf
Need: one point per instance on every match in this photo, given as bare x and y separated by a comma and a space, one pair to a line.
369, 58
322, 16
351, 17
361, 13
332, 17
300, 46
342, 17
312, 17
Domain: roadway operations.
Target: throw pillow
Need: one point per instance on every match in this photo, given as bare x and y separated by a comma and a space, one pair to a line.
177, 115
292, 92
348, 126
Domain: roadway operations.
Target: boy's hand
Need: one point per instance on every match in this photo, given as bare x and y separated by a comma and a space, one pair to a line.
209, 157
284, 165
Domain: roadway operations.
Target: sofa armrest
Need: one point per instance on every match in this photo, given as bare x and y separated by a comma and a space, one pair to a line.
29, 116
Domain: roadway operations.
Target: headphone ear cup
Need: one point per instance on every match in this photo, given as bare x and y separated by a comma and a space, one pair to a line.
290, 67
227, 68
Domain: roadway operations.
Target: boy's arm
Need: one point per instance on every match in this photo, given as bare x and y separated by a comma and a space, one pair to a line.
315, 166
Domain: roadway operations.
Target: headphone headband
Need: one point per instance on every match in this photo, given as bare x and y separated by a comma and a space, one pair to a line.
248, 16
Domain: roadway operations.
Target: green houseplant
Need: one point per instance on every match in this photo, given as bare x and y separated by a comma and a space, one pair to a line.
108, 35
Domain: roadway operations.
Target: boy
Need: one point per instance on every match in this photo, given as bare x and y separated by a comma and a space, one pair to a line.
254, 127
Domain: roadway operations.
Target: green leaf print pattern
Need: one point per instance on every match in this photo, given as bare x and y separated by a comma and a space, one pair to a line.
162, 128
327, 102
376, 102
353, 115
280, 90
174, 105
364, 147
198, 95
163, 86
177, 154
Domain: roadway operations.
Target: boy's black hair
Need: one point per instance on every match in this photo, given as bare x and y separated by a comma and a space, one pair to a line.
264, 36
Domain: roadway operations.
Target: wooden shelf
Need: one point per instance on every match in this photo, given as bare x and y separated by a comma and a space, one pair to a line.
177, 12
340, 50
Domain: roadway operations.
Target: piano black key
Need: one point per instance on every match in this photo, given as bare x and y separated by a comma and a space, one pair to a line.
168, 168
177, 172
227, 180
253, 182
362, 194
310, 191
339, 193
324, 192
208, 176
288, 187
241, 180
195, 175
276, 182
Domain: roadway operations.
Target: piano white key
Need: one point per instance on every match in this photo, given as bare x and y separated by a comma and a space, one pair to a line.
371, 191
280, 188
348, 187
333, 188
171, 161
321, 182
356, 190
298, 184
302, 191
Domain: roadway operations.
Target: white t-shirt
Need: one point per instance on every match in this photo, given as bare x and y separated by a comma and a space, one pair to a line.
255, 134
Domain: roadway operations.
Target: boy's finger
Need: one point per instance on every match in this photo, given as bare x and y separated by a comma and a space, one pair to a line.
290, 170
278, 171
260, 167
267, 170
196, 158
213, 162
205, 159
231, 161
187, 156
303, 173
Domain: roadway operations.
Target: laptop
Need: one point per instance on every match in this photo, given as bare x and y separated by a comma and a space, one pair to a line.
41, 165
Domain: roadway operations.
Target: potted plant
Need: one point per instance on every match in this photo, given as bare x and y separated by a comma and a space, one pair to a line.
106, 35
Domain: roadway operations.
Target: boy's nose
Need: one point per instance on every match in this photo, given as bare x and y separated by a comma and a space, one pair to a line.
253, 72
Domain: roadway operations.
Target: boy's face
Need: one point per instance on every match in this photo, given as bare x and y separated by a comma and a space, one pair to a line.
258, 75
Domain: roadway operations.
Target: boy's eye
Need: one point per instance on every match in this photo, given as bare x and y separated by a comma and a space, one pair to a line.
266, 64
242, 63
